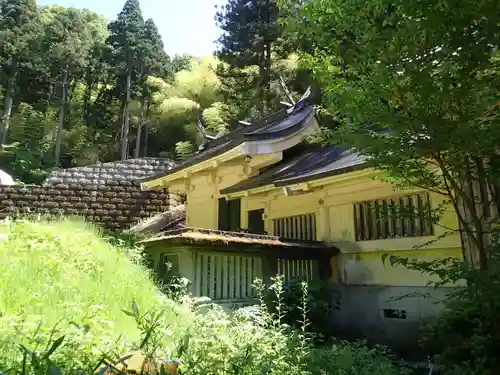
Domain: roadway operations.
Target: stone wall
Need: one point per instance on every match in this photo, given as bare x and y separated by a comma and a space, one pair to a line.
115, 205
101, 173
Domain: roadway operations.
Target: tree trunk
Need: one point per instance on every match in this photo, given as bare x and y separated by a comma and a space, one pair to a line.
139, 129
9, 100
49, 99
267, 80
262, 85
87, 95
126, 117
146, 135
465, 193
61, 116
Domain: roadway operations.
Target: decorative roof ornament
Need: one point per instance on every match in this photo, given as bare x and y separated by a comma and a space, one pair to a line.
292, 107
203, 131
287, 92
207, 137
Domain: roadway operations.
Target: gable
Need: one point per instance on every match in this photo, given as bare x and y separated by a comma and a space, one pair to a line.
270, 135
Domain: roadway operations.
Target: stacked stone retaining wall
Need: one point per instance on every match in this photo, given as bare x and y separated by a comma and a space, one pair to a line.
114, 205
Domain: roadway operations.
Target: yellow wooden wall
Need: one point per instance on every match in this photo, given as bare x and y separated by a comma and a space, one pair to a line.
360, 261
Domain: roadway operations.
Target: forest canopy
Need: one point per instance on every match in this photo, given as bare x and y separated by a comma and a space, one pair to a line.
78, 89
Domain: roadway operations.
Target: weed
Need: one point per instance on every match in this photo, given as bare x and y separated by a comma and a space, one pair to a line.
62, 297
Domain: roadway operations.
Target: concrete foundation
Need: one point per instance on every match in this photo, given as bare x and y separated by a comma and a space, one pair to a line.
370, 312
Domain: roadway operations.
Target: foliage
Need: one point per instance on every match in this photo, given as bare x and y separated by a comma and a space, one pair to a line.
64, 83
183, 149
250, 35
411, 87
320, 300
193, 95
466, 334
410, 84
254, 341
19, 28
25, 165
49, 283
254, 55
96, 304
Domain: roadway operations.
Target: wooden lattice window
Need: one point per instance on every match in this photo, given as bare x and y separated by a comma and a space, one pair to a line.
301, 269
227, 277
406, 216
299, 227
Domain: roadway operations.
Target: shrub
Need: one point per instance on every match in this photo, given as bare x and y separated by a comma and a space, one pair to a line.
64, 288
255, 340
321, 298
466, 335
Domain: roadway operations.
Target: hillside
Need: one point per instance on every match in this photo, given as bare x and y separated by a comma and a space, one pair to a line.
64, 280
64, 272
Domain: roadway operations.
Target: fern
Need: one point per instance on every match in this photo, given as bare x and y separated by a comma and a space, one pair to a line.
217, 117
184, 149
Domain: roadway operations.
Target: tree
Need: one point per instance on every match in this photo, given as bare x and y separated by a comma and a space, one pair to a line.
68, 42
193, 95
126, 42
414, 87
69, 89
154, 62
251, 38
18, 37
181, 62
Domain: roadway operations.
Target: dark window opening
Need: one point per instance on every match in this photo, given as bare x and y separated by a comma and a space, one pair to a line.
394, 314
229, 214
168, 265
256, 221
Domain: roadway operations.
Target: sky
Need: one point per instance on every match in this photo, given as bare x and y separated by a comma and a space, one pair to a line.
186, 26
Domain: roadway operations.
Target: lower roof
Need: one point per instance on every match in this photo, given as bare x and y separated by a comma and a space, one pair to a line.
227, 239
303, 163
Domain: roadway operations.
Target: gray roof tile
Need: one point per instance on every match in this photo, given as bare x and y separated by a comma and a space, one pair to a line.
303, 163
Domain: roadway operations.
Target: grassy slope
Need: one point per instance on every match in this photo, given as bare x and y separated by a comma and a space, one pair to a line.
66, 270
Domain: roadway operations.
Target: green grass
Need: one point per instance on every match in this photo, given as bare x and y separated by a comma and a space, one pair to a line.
59, 272
63, 278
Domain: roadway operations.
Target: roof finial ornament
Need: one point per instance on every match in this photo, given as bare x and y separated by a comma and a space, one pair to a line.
204, 133
292, 105
207, 137
287, 92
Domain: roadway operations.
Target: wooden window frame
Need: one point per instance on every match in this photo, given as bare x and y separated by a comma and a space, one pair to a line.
370, 226
296, 227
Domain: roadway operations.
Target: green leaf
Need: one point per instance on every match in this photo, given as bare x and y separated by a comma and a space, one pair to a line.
384, 257
53, 347
129, 313
135, 308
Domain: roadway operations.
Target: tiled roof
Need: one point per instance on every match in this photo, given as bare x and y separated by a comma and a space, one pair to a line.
276, 125
98, 174
303, 163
